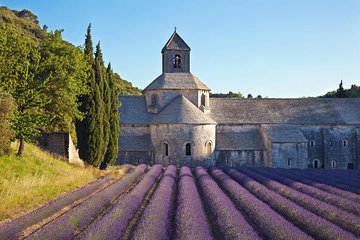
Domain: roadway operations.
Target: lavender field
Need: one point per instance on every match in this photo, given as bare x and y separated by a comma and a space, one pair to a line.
168, 203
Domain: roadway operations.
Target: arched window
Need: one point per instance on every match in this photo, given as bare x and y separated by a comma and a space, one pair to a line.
345, 142
177, 61
153, 99
166, 149
333, 164
312, 143
289, 162
138, 159
351, 166
208, 148
316, 163
188, 149
227, 160
203, 97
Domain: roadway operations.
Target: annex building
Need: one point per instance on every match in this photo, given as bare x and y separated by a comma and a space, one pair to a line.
176, 122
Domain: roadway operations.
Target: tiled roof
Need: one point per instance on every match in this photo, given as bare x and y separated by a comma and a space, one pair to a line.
177, 81
176, 43
291, 111
133, 110
284, 133
315, 111
181, 111
243, 140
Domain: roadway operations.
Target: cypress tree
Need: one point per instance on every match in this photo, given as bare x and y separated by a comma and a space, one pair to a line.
83, 126
112, 147
98, 132
340, 92
97, 114
107, 112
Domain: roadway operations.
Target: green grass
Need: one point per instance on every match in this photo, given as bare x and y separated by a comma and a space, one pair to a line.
36, 178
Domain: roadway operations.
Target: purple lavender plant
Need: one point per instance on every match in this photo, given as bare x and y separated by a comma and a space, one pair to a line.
191, 221
327, 180
114, 223
298, 176
346, 220
353, 175
314, 225
342, 179
269, 222
337, 201
342, 175
155, 222
229, 221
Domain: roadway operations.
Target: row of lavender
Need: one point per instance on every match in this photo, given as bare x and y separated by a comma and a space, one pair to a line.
246, 203
249, 204
318, 218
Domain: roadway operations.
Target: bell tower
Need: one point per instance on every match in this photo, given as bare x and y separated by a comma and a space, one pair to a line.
175, 55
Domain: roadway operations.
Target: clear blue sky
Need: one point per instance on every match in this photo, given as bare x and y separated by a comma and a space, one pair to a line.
277, 48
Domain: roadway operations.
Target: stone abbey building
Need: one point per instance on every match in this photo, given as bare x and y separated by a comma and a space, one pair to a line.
176, 122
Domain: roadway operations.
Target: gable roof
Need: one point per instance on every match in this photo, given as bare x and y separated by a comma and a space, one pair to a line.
284, 133
318, 111
133, 110
175, 42
181, 111
243, 140
177, 81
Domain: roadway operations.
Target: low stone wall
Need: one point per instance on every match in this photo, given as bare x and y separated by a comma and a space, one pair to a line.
240, 158
62, 145
135, 157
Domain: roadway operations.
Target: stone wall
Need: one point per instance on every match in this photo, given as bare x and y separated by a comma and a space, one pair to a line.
177, 136
268, 148
333, 146
240, 158
62, 145
134, 130
289, 155
168, 63
135, 157
357, 164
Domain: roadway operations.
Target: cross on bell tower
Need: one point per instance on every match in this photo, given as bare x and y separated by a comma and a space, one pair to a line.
175, 55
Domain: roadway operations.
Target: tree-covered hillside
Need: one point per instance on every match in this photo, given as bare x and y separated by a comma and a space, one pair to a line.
25, 23
46, 77
22, 22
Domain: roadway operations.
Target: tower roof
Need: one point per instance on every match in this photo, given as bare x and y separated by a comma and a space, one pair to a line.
177, 81
175, 43
182, 111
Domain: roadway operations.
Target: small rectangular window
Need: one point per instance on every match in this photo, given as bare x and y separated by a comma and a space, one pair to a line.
166, 149
188, 149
